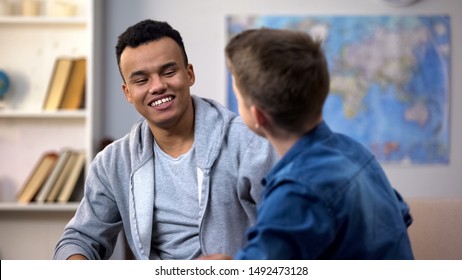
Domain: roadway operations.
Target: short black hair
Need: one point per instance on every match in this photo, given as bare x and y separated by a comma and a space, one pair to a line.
146, 31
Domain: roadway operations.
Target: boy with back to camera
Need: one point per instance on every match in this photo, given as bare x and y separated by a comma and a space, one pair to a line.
327, 197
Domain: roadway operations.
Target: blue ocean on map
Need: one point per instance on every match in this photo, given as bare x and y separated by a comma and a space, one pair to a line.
389, 80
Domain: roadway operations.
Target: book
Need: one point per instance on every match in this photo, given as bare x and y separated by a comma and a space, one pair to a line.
36, 179
74, 175
63, 156
79, 190
58, 83
74, 93
63, 175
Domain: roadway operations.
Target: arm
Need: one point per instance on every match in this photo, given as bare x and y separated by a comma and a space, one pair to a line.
77, 257
300, 227
236, 180
292, 224
93, 230
215, 257
258, 159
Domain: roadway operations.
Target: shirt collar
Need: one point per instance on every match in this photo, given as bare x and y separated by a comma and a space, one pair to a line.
319, 132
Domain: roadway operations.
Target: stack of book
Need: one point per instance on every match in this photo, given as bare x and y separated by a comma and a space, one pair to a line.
66, 89
56, 177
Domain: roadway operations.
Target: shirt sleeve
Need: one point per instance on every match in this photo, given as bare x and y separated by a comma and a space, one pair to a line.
291, 224
93, 230
259, 157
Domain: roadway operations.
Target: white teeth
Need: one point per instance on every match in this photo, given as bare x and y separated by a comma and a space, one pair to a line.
161, 101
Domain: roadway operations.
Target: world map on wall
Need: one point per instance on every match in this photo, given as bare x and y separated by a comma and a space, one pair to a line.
389, 80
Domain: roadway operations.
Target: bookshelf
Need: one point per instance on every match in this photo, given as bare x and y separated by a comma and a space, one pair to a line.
30, 45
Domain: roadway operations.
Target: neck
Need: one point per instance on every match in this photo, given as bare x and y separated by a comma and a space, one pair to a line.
282, 144
282, 141
177, 139
175, 145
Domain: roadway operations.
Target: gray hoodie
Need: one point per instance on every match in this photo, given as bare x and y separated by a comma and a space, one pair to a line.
119, 189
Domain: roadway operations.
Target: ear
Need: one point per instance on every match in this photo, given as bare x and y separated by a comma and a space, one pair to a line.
127, 93
191, 75
260, 117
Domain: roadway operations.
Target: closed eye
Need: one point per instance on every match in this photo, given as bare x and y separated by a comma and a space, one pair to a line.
169, 73
169, 69
140, 81
138, 77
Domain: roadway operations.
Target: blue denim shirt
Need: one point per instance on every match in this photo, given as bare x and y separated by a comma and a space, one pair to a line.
328, 198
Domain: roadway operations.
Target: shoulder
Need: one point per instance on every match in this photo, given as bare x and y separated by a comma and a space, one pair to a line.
240, 133
132, 145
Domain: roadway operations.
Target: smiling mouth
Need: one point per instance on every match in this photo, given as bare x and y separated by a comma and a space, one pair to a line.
161, 101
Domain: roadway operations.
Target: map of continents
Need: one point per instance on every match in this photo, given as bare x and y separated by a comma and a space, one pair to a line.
389, 80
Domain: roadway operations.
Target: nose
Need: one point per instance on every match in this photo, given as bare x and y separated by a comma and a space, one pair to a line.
157, 85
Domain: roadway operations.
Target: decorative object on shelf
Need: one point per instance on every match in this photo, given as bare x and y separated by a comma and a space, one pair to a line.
4, 86
400, 3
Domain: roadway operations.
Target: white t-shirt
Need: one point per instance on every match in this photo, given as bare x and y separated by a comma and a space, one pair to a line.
176, 206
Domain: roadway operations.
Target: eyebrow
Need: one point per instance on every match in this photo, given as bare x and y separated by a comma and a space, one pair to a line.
162, 68
137, 73
168, 65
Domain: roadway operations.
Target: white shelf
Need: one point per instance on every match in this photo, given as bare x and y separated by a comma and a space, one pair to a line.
62, 114
36, 207
41, 20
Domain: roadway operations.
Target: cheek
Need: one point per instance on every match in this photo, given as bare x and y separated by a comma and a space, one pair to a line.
180, 83
243, 111
127, 94
134, 95
245, 116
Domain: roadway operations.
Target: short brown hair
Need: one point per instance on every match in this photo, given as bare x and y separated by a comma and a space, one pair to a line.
283, 72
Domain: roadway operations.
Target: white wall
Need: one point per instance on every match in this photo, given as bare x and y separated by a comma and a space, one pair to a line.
202, 26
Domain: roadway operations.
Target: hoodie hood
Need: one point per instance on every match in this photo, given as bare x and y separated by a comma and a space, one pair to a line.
208, 139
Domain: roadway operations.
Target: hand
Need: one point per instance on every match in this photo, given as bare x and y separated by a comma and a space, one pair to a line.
215, 257
77, 257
